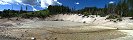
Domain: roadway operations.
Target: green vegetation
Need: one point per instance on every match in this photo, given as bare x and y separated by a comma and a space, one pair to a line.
40, 14
124, 8
12, 13
58, 9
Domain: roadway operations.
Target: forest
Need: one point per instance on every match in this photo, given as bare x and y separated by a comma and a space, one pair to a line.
124, 8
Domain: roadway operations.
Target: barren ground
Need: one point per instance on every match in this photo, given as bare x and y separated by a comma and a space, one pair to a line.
25, 29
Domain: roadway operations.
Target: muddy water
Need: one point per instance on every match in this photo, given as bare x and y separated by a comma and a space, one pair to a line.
101, 35
42, 34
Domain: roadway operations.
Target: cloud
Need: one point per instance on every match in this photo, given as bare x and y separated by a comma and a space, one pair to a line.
41, 3
34, 9
45, 3
3, 3
77, 3
111, 2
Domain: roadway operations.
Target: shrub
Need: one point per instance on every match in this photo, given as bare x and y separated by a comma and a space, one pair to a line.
40, 14
113, 16
117, 17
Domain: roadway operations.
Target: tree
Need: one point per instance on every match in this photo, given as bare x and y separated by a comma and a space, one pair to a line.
21, 9
58, 9
122, 8
26, 8
130, 2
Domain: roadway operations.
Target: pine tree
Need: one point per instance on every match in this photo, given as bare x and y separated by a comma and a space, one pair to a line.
21, 9
26, 8
130, 2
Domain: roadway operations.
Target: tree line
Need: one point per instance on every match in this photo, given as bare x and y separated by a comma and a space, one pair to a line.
124, 8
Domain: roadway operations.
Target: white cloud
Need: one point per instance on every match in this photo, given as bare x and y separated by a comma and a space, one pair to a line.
41, 3
45, 3
111, 2
34, 9
77, 3
3, 3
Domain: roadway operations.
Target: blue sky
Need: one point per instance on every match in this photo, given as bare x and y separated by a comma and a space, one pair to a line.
42, 4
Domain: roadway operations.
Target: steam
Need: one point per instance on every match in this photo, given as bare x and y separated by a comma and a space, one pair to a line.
42, 3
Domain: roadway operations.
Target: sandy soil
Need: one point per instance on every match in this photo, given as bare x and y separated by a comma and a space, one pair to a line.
42, 34
70, 29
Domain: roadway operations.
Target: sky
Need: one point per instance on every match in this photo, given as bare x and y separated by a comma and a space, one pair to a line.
35, 5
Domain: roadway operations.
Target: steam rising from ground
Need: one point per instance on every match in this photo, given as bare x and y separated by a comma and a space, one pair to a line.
41, 3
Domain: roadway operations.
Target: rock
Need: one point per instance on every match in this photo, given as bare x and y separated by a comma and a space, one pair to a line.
0, 17
7, 25
32, 38
84, 22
